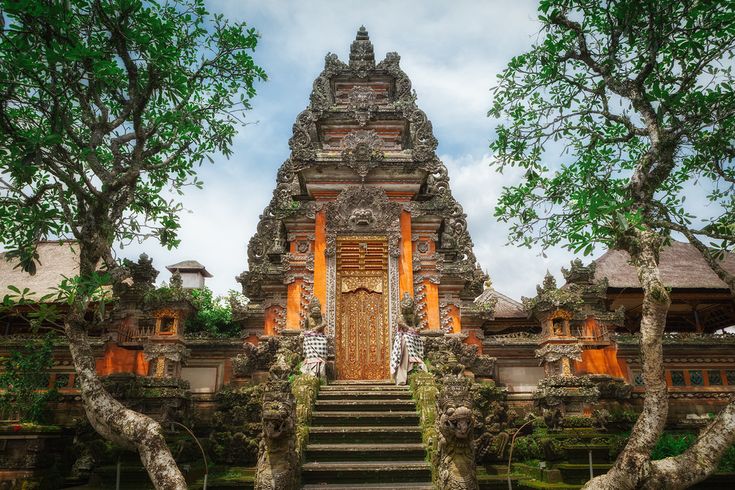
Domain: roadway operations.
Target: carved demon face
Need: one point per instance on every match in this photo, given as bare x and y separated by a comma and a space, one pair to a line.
277, 421
457, 422
362, 217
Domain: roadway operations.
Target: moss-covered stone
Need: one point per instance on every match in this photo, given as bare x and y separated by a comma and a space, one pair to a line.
236, 426
305, 388
425, 391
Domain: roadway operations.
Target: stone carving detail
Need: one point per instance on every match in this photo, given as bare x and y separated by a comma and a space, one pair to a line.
495, 431
331, 288
441, 350
321, 95
422, 135
454, 458
570, 394
361, 151
363, 103
393, 298
174, 352
403, 92
304, 133
446, 320
362, 56
556, 358
363, 210
255, 358
394, 245
419, 296
277, 460
557, 352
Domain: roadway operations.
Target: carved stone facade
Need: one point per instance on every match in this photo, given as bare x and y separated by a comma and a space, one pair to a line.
362, 163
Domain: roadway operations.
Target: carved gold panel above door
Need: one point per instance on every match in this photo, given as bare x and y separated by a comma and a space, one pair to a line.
362, 334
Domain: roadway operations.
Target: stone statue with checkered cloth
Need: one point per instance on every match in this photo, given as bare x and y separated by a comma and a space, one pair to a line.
408, 347
315, 342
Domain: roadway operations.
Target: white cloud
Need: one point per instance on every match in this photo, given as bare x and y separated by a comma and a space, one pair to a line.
515, 271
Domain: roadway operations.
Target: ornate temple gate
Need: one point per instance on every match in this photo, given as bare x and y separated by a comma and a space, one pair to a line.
362, 333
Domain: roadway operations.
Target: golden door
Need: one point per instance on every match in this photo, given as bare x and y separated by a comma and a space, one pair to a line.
362, 336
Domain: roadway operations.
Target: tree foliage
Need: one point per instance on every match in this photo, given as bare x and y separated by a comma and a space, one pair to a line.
107, 107
214, 315
618, 112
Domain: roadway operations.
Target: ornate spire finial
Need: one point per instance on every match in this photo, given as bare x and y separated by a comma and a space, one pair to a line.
362, 56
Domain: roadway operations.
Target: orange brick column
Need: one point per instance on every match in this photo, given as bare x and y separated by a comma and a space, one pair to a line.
293, 308
320, 260
432, 304
405, 267
271, 313
453, 313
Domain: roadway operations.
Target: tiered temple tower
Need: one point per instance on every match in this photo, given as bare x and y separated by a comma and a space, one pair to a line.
362, 213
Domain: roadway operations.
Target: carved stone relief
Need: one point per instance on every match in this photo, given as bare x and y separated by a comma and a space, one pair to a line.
363, 103
362, 151
363, 210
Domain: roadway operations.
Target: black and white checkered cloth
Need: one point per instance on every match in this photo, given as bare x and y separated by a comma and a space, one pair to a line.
414, 344
315, 346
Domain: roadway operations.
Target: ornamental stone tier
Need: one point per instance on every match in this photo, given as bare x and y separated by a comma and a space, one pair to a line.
362, 213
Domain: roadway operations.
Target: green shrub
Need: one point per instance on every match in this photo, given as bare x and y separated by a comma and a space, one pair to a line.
25, 381
672, 445
213, 316
617, 442
622, 416
527, 448
727, 463
577, 422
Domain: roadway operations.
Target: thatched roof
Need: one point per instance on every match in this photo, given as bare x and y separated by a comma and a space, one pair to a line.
189, 266
57, 259
681, 266
505, 307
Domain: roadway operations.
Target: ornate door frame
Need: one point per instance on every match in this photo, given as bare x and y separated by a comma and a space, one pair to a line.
362, 211
363, 327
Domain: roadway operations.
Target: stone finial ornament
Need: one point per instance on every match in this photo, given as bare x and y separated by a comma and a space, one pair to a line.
362, 55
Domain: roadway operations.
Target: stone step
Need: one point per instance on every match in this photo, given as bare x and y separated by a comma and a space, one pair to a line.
363, 387
579, 474
370, 486
356, 435
364, 418
366, 472
361, 382
365, 452
364, 405
364, 394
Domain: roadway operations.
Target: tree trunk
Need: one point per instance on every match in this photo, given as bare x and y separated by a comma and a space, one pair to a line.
699, 461
633, 464
116, 423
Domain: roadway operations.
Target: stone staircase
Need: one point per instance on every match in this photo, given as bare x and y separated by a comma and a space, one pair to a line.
365, 435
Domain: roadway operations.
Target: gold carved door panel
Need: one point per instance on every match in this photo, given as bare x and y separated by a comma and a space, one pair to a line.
362, 336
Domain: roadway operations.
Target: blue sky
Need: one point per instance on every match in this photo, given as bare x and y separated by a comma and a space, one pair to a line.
452, 51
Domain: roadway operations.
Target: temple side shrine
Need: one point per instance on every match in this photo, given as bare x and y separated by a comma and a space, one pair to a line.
362, 214
361, 277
